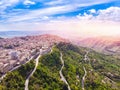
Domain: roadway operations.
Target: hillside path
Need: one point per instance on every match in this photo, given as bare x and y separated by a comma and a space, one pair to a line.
61, 74
85, 72
36, 64
83, 78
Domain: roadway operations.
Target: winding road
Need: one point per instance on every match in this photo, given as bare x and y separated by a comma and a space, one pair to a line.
86, 57
85, 72
61, 74
3, 76
27, 80
21, 64
83, 78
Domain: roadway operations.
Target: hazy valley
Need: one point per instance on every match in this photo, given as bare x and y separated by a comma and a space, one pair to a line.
105, 44
49, 62
59, 44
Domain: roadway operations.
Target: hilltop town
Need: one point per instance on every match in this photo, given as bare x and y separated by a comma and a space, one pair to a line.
17, 51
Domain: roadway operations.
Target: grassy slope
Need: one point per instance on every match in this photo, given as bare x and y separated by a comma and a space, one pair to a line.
47, 76
96, 71
15, 80
102, 71
73, 64
108, 67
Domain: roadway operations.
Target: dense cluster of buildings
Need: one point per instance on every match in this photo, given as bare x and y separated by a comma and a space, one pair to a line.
18, 50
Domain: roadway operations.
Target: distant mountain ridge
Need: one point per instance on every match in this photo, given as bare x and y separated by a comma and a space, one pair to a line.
109, 45
19, 42
106, 44
83, 68
11, 34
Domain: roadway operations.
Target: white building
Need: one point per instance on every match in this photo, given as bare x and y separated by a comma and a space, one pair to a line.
14, 55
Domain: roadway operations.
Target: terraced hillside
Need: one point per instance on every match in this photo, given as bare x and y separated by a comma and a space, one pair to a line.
68, 67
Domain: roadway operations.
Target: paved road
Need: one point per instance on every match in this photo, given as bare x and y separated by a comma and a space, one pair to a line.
61, 74
21, 64
27, 80
1, 78
83, 78
85, 74
86, 57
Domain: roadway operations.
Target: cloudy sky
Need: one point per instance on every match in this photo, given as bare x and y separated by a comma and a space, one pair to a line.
81, 16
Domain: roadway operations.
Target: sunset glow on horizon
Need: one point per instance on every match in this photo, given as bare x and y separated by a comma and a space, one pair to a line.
80, 18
